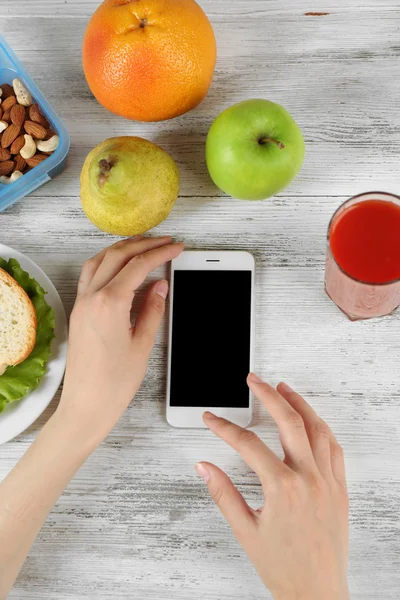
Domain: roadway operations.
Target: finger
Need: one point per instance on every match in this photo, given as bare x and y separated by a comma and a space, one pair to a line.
149, 318
89, 269
254, 452
290, 424
327, 452
91, 266
338, 463
136, 270
317, 430
118, 255
229, 500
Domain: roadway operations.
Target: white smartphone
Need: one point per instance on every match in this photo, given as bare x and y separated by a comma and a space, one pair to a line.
211, 337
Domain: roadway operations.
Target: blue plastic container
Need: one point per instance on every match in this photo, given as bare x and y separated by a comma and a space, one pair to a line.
11, 68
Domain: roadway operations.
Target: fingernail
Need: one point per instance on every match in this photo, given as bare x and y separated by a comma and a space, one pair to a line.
203, 472
209, 415
162, 289
134, 237
285, 388
255, 378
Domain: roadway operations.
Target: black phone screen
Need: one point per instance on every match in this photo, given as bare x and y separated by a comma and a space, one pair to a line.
211, 335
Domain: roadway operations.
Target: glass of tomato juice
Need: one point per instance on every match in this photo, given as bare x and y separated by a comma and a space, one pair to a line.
362, 274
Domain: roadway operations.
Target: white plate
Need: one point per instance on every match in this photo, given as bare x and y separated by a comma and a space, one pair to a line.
17, 416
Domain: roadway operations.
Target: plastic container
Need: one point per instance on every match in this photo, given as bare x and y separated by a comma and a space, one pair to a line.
11, 68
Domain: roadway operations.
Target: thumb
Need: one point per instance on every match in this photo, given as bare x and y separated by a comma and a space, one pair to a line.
149, 318
229, 500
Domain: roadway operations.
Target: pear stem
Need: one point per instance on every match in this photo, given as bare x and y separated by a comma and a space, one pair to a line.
105, 166
266, 140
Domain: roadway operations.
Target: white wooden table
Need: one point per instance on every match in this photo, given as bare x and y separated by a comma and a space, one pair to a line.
136, 523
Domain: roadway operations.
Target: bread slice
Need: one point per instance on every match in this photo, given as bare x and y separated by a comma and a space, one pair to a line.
18, 323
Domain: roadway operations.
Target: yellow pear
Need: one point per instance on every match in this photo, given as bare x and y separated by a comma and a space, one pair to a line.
128, 185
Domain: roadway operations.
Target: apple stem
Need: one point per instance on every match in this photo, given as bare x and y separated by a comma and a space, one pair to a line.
266, 140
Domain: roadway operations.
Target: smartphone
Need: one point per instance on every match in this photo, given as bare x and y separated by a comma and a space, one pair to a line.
211, 337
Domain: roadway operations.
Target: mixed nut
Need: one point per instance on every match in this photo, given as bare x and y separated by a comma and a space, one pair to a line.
26, 138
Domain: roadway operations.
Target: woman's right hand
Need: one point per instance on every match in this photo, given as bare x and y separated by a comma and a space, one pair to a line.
298, 541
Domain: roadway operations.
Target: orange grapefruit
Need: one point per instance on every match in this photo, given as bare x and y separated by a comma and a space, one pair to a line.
149, 60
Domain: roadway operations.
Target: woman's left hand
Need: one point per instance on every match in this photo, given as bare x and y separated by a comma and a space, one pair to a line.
107, 359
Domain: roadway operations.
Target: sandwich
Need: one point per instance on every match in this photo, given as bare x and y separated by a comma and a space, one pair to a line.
26, 332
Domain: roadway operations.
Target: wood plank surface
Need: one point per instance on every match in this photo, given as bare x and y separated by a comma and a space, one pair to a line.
136, 523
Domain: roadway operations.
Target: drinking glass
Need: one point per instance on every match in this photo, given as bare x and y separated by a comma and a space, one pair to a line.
357, 298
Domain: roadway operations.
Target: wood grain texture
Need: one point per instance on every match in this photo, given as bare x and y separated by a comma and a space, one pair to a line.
136, 522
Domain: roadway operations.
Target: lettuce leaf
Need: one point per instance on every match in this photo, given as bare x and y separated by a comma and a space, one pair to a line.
17, 381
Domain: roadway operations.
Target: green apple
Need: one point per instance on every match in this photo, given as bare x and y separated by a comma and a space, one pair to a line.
254, 150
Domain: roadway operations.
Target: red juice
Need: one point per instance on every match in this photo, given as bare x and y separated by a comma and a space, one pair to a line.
365, 241
362, 274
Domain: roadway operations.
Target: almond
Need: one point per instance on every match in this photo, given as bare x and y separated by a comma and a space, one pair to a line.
49, 134
6, 116
9, 135
17, 115
6, 167
34, 112
7, 90
35, 160
4, 154
36, 116
17, 145
20, 163
1, 112
35, 130
9, 102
